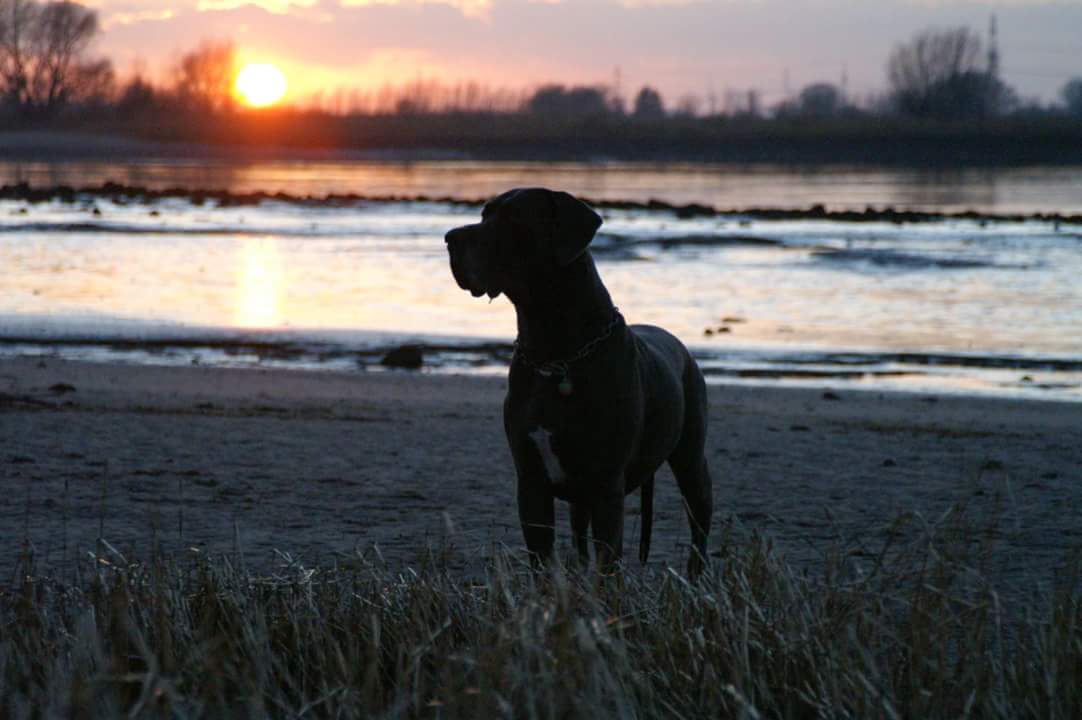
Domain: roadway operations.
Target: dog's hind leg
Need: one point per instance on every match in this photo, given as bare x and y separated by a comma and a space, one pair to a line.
580, 530
695, 485
688, 463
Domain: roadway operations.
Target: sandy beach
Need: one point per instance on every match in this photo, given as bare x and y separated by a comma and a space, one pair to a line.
322, 465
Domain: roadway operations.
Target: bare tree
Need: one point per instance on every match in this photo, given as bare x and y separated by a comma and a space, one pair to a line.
939, 74
43, 63
932, 58
93, 83
203, 78
17, 20
61, 35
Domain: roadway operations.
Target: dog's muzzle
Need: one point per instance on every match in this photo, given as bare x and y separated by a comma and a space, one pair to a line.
463, 262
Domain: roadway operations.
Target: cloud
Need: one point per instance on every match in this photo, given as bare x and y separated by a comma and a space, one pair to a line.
470, 8
130, 18
278, 7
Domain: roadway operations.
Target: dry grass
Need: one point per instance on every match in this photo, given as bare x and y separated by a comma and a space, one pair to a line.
912, 631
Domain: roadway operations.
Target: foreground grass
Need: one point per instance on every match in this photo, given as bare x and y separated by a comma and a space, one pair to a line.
914, 631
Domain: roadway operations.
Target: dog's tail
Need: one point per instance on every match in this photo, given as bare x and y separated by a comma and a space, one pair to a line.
647, 516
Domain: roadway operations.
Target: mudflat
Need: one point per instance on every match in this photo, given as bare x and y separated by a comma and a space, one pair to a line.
322, 466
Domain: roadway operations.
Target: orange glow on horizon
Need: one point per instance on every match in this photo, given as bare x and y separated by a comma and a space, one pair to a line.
260, 85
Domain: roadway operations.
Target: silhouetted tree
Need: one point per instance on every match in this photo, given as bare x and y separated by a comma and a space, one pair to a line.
579, 101
62, 33
17, 20
688, 106
1072, 96
548, 100
932, 58
419, 97
820, 100
203, 78
42, 55
939, 74
648, 105
93, 83
974, 94
137, 94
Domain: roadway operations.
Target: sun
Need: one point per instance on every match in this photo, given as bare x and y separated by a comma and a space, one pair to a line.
260, 84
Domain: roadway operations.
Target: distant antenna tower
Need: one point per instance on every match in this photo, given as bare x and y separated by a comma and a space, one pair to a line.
617, 81
845, 81
993, 48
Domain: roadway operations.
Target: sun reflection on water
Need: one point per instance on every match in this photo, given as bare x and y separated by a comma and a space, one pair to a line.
259, 284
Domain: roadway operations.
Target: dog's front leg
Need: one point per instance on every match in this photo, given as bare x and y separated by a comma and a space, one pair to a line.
537, 514
580, 531
607, 520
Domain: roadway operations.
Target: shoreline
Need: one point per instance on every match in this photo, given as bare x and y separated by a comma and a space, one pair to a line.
134, 343
319, 464
222, 198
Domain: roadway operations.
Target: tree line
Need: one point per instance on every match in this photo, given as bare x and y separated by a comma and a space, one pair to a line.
48, 70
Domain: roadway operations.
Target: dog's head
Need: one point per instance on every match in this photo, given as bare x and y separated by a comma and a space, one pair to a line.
525, 237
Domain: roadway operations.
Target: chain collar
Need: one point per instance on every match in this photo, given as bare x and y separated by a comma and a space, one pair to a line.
559, 368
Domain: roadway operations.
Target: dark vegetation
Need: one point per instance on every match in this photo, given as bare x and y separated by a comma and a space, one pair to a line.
910, 629
945, 102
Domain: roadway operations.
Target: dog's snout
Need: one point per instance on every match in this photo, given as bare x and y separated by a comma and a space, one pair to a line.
452, 235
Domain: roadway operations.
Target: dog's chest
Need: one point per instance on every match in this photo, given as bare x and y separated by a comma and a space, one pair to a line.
543, 442
564, 460
570, 441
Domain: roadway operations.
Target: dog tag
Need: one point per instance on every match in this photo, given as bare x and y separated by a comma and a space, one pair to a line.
565, 387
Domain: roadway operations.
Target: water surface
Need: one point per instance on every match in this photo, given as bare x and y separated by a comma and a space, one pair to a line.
953, 305
998, 190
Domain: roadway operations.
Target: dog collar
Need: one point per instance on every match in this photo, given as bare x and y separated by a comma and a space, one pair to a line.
560, 368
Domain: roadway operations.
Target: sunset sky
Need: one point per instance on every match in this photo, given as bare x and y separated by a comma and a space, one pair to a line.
678, 46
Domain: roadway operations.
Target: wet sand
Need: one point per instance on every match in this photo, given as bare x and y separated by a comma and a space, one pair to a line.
324, 465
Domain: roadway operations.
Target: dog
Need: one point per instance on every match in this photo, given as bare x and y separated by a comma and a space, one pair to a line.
594, 406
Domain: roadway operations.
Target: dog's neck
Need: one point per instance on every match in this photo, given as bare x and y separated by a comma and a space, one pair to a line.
573, 311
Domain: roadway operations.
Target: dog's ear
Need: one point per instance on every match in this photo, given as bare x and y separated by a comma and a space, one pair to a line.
576, 223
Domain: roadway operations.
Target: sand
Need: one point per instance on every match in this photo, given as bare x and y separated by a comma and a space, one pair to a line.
323, 466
